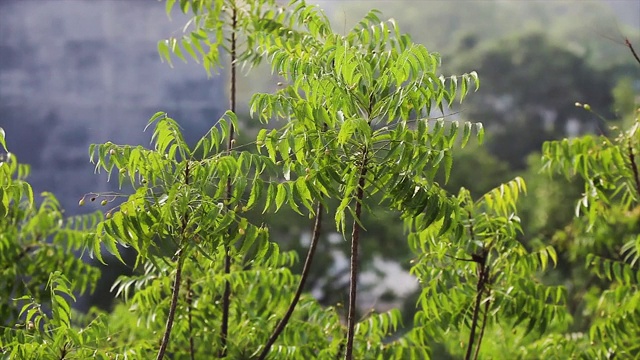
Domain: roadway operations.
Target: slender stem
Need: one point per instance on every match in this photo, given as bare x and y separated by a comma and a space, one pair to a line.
634, 167
476, 312
340, 350
226, 297
353, 277
172, 308
480, 286
176, 282
64, 351
226, 301
303, 278
484, 326
459, 259
633, 51
189, 306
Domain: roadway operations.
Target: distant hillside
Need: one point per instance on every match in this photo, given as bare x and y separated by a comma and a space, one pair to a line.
595, 28
79, 72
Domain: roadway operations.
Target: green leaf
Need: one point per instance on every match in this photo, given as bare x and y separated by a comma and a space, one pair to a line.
466, 134
281, 195
2, 139
448, 164
163, 50
480, 132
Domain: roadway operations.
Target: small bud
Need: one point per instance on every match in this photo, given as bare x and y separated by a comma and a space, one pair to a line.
81, 202
578, 104
587, 107
108, 215
30, 326
103, 203
280, 83
112, 152
233, 142
241, 231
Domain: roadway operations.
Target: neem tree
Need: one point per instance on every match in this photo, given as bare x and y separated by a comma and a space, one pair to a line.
357, 125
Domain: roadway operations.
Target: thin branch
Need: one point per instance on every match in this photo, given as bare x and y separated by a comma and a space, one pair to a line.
226, 297
189, 307
172, 308
634, 167
476, 311
484, 326
176, 282
353, 277
460, 259
482, 277
633, 51
64, 351
340, 350
303, 278
24, 251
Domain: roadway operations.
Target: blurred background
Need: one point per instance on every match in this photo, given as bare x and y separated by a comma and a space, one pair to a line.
78, 72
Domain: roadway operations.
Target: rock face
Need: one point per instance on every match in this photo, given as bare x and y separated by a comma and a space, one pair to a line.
78, 72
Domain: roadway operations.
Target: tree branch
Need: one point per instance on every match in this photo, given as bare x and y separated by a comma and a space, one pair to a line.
303, 278
226, 297
482, 279
460, 259
633, 51
172, 308
189, 307
353, 277
476, 310
176, 282
484, 326
634, 166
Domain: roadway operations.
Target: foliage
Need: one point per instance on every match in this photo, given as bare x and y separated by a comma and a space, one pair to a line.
37, 253
357, 136
605, 234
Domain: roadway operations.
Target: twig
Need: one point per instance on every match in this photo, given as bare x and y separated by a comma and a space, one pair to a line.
172, 308
634, 167
460, 259
482, 279
633, 51
226, 297
476, 310
189, 307
303, 278
176, 282
353, 277
484, 326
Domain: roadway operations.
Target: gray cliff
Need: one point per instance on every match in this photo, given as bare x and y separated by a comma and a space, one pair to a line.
78, 72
